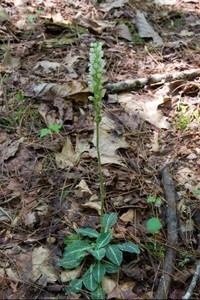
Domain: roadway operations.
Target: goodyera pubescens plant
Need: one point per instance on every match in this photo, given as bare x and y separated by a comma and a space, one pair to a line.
105, 257
96, 73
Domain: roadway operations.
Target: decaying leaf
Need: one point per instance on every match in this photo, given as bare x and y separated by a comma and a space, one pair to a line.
69, 157
145, 30
123, 291
49, 91
124, 32
110, 141
82, 189
145, 108
106, 7
42, 268
108, 284
128, 216
69, 275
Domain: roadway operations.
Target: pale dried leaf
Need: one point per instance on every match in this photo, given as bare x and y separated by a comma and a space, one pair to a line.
82, 189
145, 108
128, 216
108, 284
42, 269
145, 30
124, 32
106, 7
69, 275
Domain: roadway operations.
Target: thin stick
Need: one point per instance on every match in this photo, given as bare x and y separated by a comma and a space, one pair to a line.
193, 283
134, 84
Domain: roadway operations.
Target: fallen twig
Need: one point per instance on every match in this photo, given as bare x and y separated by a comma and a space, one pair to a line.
193, 283
133, 84
172, 236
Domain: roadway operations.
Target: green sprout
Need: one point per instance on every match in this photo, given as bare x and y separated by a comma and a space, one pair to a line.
51, 128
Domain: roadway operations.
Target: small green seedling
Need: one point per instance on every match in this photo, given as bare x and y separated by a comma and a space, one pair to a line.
153, 224
52, 128
106, 256
197, 192
152, 199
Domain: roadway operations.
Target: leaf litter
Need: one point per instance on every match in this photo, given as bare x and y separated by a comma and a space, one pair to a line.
50, 185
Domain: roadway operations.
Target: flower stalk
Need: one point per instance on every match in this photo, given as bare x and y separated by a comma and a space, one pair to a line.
96, 72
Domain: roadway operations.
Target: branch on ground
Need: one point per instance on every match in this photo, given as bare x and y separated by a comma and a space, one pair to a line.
172, 236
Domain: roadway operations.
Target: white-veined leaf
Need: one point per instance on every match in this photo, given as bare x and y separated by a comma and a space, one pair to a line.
99, 271
109, 220
114, 254
88, 280
103, 239
129, 247
99, 293
90, 232
75, 286
98, 254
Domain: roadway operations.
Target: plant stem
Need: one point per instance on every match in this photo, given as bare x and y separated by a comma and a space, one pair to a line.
102, 190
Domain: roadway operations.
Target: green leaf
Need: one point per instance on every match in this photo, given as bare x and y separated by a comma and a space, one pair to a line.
114, 254
76, 247
55, 127
71, 261
44, 132
88, 232
111, 268
99, 271
151, 199
197, 192
98, 254
75, 286
71, 239
109, 220
103, 239
99, 293
153, 225
88, 280
129, 247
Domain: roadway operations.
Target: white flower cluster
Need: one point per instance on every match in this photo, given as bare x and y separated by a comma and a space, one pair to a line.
96, 71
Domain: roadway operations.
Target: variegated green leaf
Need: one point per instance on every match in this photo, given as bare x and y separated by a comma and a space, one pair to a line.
99, 271
103, 239
77, 246
75, 286
109, 220
90, 232
114, 254
129, 247
98, 294
88, 280
71, 261
98, 254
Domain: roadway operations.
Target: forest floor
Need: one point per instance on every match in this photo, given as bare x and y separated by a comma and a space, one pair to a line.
150, 141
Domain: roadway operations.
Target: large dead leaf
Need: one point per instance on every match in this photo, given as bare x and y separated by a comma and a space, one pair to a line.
145, 108
123, 291
49, 91
42, 268
109, 142
69, 157
106, 7
145, 30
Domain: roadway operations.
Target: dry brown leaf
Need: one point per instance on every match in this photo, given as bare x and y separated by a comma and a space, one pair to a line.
128, 216
69, 275
145, 107
42, 269
82, 189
